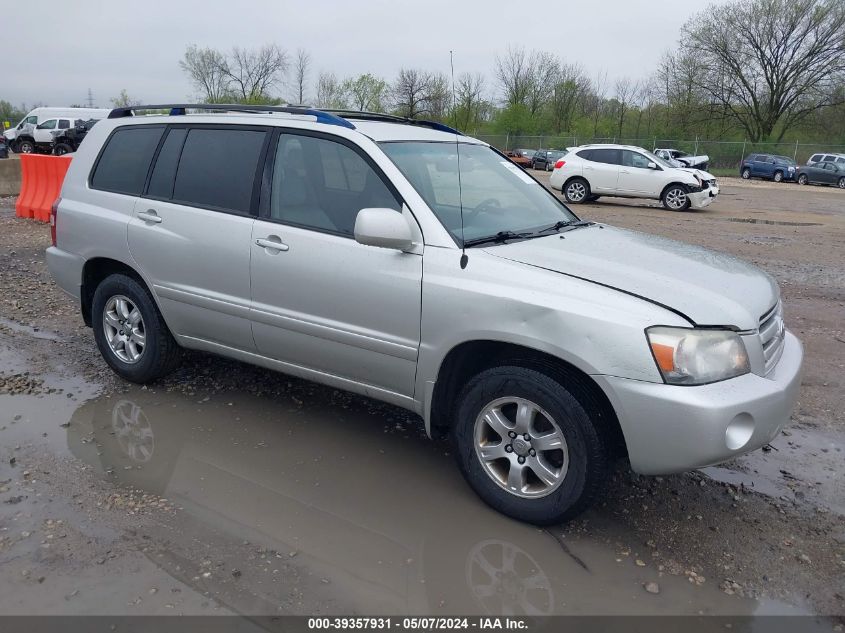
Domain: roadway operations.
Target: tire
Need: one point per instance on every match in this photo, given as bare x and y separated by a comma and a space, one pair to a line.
778, 177
746, 174
157, 356
841, 183
581, 463
803, 180
548, 167
675, 198
576, 191
26, 147
61, 149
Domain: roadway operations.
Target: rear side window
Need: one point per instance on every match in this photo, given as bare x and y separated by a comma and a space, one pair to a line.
217, 168
586, 154
609, 156
164, 172
125, 160
64, 124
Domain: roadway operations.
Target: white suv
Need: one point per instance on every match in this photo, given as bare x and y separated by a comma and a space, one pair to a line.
624, 171
404, 261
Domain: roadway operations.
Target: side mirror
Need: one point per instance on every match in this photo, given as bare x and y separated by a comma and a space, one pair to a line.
385, 228
652, 165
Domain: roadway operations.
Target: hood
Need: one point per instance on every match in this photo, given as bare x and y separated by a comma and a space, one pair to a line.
704, 175
708, 288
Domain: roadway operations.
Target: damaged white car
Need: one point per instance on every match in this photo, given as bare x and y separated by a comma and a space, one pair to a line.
586, 173
682, 159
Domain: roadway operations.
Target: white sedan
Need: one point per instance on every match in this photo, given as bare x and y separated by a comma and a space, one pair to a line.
591, 171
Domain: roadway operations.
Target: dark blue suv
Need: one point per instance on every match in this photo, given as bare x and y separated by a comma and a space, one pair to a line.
769, 166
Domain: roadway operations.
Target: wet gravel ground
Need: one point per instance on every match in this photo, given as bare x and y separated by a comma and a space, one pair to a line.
121, 499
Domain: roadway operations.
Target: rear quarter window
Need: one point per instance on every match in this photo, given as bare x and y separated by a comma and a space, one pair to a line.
125, 160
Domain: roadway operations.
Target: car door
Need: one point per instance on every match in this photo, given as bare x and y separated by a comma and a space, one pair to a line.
635, 175
42, 133
321, 301
602, 170
829, 174
192, 229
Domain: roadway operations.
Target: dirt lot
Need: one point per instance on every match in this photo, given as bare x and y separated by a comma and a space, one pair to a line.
227, 488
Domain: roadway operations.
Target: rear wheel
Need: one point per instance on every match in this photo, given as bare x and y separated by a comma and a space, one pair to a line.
528, 445
675, 198
802, 179
576, 190
130, 332
746, 174
842, 183
61, 149
778, 176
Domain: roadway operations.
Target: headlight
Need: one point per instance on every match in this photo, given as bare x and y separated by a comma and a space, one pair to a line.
792, 169
696, 357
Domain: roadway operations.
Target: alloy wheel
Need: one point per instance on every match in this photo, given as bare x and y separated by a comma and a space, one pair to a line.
676, 198
521, 447
576, 191
123, 326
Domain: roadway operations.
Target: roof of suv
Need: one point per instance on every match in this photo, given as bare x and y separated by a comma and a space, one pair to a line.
376, 126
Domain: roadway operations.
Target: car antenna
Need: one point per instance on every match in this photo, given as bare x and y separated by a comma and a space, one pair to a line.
464, 258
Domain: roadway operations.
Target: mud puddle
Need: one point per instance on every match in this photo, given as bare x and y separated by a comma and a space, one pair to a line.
374, 510
780, 474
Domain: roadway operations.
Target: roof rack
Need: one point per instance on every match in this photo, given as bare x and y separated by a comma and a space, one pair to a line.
177, 109
364, 115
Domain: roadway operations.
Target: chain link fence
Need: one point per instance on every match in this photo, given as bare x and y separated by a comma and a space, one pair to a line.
723, 154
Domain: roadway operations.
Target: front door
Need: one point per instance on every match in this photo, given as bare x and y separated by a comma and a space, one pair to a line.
320, 300
635, 176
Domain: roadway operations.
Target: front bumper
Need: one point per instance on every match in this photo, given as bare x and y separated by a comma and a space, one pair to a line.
671, 428
701, 199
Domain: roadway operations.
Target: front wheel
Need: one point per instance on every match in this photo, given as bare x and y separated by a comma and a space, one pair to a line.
675, 198
26, 147
802, 179
528, 445
130, 332
576, 190
778, 176
746, 174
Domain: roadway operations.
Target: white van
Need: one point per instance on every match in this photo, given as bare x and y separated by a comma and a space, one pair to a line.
22, 138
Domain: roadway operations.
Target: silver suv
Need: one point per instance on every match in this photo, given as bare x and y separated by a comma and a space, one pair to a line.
404, 261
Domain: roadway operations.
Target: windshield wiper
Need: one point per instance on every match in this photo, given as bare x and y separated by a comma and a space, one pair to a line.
499, 237
570, 224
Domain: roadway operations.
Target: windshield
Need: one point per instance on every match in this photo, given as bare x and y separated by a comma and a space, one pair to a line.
496, 194
660, 161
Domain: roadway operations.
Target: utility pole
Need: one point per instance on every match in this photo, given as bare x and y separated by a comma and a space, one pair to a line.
90, 98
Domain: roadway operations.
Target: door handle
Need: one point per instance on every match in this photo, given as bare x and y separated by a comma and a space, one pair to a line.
149, 216
269, 242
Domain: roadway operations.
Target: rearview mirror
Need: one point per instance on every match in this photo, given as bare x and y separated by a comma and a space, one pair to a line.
385, 228
652, 165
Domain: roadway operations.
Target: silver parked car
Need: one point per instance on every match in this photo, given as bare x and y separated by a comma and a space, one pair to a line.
404, 261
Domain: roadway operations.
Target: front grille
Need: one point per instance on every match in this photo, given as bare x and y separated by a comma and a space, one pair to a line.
772, 334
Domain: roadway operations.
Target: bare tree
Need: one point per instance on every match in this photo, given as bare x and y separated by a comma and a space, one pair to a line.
411, 91
624, 90
206, 69
439, 98
599, 90
469, 101
123, 100
301, 66
330, 93
366, 92
543, 69
513, 70
569, 89
254, 72
770, 63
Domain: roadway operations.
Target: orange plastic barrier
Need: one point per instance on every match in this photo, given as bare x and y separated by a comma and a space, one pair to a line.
41, 183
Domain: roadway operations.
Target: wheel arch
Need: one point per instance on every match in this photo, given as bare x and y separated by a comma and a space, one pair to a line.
672, 184
95, 271
468, 358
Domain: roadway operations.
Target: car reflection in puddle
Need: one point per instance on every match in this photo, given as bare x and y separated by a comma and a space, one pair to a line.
369, 504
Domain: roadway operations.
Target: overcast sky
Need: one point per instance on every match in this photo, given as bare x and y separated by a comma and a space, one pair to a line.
55, 53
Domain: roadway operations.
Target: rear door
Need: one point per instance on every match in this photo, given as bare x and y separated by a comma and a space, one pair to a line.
191, 229
829, 174
321, 300
602, 170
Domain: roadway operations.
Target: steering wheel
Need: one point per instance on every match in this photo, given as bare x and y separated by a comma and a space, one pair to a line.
485, 206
